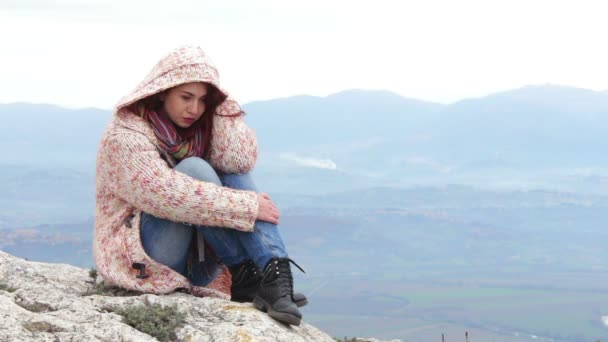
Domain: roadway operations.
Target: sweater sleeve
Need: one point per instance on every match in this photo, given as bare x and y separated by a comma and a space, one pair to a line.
233, 147
139, 176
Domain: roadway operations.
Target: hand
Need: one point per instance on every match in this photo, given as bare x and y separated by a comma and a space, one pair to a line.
267, 210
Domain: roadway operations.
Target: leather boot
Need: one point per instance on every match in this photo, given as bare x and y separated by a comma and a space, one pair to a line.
275, 294
246, 278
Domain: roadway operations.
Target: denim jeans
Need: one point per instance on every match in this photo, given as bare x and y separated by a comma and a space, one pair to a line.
169, 242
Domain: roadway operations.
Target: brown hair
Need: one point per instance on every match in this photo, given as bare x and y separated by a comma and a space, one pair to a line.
214, 99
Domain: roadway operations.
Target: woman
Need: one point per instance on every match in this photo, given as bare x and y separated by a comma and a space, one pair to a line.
174, 202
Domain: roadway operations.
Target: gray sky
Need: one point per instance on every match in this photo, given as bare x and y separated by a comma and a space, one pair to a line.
90, 53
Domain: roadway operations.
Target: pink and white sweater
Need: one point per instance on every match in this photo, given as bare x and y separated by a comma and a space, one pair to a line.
132, 177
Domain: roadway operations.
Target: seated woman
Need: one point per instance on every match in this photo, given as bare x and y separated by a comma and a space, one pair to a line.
175, 204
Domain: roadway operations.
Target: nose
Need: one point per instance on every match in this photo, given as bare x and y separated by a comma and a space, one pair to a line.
194, 107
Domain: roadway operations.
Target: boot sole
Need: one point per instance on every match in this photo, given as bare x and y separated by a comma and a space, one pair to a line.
261, 305
301, 303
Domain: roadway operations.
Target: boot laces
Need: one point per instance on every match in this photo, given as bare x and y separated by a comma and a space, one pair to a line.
247, 272
283, 272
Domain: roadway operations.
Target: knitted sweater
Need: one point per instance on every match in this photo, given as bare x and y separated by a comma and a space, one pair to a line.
134, 175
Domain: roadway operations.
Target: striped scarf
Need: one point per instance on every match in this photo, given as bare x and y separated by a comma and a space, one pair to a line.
179, 142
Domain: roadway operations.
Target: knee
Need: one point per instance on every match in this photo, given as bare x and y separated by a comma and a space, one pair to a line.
239, 182
198, 168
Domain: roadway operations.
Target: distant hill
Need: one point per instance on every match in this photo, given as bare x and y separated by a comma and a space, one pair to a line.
44, 134
353, 115
526, 127
534, 126
360, 138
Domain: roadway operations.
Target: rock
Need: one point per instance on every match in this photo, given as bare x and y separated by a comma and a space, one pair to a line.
53, 302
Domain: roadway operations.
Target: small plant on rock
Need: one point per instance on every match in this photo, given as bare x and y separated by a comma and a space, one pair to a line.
154, 320
93, 274
99, 288
110, 291
7, 288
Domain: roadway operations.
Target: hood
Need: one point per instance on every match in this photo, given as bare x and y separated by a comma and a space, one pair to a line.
182, 65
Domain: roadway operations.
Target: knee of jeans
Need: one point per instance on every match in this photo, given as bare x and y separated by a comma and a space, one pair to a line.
239, 181
198, 168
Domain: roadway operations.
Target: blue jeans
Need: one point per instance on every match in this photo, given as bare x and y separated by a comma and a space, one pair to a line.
169, 242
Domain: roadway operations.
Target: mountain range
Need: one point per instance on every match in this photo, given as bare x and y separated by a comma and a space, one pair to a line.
528, 127
549, 137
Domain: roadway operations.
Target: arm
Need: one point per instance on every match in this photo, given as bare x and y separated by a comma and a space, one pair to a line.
233, 147
138, 175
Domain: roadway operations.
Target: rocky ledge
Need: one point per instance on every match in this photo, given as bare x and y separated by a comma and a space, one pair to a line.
59, 302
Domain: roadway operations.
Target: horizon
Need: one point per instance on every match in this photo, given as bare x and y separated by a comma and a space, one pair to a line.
540, 85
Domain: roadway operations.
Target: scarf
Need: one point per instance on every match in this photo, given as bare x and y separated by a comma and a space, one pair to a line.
179, 142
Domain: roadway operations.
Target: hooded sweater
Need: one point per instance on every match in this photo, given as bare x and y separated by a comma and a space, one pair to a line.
134, 175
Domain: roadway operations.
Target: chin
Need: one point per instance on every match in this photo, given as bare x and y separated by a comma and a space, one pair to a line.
185, 125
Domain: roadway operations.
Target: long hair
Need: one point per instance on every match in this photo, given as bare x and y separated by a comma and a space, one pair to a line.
213, 99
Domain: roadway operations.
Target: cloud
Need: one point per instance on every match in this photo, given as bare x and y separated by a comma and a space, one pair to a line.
327, 164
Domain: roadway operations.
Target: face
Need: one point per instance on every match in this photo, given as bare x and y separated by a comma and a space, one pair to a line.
185, 104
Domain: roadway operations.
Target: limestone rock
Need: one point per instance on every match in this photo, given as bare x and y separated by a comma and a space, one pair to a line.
52, 302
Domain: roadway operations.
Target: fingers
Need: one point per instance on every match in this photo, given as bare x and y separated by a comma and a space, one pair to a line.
273, 216
269, 218
268, 211
265, 199
272, 220
274, 209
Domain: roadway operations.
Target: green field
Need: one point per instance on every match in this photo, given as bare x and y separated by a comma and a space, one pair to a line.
423, 312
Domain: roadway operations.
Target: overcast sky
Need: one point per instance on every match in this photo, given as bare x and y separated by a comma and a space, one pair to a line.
76, 55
